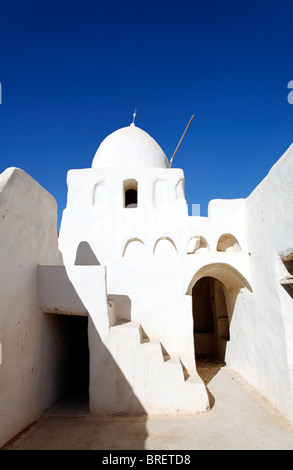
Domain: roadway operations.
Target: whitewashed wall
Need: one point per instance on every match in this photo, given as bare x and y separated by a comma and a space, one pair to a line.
30, 342
265, 320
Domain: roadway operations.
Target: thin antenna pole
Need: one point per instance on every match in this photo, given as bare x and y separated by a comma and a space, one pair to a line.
181, 140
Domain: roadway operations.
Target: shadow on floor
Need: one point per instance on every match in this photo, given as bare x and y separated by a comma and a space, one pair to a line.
68, 425
74, 403
207, 367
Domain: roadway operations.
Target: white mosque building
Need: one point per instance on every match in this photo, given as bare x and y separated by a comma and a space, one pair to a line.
142, 289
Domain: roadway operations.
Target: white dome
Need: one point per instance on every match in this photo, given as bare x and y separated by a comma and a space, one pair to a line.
130, 147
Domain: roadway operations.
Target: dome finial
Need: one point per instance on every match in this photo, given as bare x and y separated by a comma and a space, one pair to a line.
134, 115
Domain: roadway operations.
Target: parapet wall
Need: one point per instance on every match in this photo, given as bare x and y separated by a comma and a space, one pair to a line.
268, 362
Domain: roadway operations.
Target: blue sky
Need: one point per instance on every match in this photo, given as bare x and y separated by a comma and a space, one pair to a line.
72, 72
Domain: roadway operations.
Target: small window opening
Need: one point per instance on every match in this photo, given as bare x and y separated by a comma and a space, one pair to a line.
130, 194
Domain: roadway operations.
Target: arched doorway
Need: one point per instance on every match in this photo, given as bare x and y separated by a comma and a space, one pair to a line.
214, 289
210, 319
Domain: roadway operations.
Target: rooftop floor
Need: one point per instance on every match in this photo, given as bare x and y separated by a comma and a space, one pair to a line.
239, 419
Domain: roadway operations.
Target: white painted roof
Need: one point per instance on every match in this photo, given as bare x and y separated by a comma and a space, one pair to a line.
130, 147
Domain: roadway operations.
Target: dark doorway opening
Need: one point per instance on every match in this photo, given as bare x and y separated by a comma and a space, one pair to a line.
78, 353
75, 400
210, 328
210, 319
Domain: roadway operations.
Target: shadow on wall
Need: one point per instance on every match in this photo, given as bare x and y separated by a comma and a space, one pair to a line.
207, 369
85, 255
107, 387
289, 290
287, 282
110, 392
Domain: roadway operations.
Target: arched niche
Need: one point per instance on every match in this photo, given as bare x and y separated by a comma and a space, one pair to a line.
99, 196
160, 193
134, 248
228, 242
180, 192
165, 247
197, 244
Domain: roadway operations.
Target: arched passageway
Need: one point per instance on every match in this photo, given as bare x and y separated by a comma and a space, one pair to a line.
214, 289
210, 318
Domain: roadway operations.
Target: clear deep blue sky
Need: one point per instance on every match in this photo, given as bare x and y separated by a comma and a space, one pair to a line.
72, 72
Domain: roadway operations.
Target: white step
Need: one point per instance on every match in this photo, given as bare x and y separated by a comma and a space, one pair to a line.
159, 380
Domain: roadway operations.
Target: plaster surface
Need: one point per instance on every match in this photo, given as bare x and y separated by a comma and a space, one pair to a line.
265, 319
155, 253
240, 419
30, 377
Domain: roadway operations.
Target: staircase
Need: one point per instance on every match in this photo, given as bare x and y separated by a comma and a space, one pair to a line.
145, 378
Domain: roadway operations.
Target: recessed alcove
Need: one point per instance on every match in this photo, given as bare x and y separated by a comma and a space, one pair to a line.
197, 244
130, 194
228, 242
